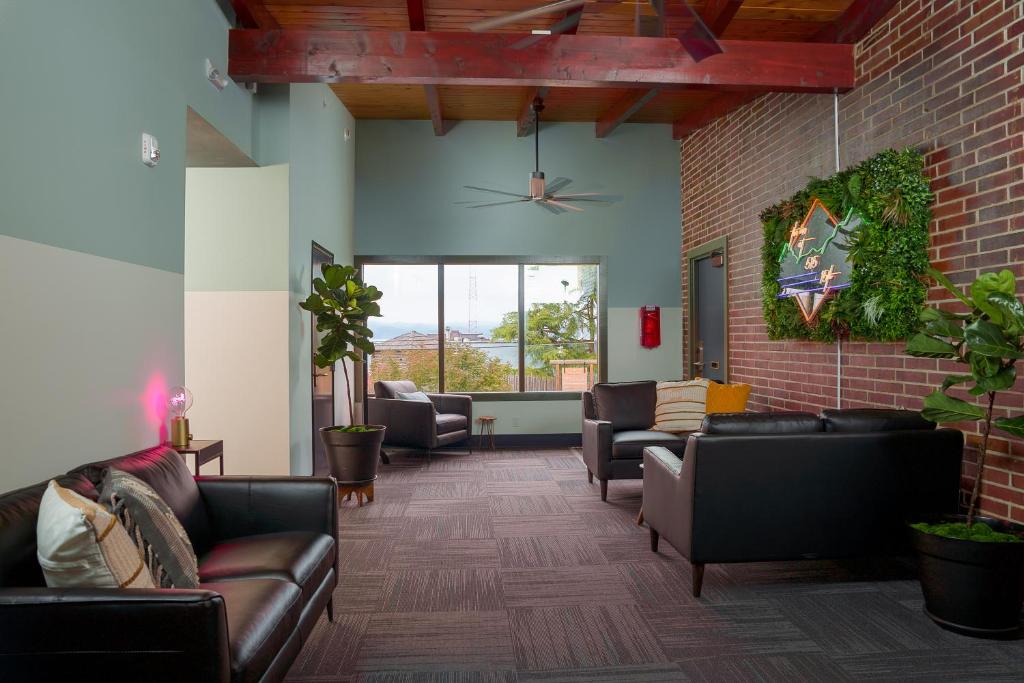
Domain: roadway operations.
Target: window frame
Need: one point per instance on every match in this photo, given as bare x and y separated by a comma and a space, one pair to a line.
522, 262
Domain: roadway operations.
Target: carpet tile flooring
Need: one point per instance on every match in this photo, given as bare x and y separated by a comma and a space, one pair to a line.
506, 567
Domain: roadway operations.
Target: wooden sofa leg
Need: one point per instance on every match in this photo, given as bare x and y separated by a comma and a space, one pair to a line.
698, 578
590, 477
604, 489
330, 610
654, 541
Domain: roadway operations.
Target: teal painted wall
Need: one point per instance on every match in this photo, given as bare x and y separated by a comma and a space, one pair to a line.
408, 179
81, 82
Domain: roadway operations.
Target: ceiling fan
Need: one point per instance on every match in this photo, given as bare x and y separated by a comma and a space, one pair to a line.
540, 194
697, 39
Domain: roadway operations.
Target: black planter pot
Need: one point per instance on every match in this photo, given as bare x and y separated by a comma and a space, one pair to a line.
353, 456
972, 587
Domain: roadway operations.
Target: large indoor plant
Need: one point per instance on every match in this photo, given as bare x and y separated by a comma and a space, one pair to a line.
972, 567
342, 303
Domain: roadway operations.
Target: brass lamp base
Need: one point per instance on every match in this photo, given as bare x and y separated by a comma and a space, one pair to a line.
180, 436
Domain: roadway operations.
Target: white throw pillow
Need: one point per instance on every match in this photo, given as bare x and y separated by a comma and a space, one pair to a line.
82, 545
681, 406
413, 396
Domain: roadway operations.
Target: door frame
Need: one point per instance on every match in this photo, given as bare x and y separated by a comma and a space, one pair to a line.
323, 251
705, 250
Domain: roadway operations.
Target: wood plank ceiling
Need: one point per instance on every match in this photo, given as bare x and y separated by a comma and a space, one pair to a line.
749, 20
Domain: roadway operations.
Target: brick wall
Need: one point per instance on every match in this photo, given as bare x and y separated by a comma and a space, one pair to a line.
946, 76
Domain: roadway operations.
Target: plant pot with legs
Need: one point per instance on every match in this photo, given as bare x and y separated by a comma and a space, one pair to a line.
972, 567
342, 303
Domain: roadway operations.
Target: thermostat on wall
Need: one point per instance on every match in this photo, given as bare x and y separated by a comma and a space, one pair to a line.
150, 150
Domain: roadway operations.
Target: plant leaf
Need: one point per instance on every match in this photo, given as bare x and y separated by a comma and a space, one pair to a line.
1001, 381
925, 346
1012, 310
938, 407
989, 283
986, 338
941, 278
955, 379
1013, 425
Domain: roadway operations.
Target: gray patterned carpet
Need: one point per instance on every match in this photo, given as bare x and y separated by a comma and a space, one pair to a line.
506, 566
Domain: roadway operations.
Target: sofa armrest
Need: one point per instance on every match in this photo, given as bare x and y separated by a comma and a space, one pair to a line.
668, 494
409, 423
245, 506
124, 634
597, 446
459, 404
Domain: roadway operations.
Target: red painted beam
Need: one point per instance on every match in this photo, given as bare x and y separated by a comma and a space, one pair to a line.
417, 18
253, 14
524, 120
622, 110
717, 14
716, 108
580, 61
855, 23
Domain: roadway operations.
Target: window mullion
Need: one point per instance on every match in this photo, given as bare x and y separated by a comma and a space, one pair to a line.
522, 327
440, 327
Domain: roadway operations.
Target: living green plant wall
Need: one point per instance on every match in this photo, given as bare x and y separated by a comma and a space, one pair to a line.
888, 252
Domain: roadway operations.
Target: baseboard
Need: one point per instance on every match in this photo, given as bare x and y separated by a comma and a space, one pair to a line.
536, 440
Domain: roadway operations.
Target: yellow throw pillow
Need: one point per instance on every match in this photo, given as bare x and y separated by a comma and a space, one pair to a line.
681, 406
727, 398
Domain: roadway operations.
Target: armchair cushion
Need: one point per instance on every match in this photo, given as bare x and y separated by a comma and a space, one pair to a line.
450, 422
631, 443
391, 389
627, 405
301, 557
762, 423
413, 396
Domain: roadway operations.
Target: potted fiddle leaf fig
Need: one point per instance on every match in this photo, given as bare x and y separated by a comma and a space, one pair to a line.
972, 567
342, 303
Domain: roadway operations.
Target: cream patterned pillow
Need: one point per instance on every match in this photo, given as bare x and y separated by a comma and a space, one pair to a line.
681, 405
164, 543
81, 545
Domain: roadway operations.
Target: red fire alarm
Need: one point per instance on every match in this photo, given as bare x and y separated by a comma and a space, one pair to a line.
650, 326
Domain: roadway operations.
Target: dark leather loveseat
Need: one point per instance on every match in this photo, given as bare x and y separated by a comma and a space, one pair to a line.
784, 486
268, 564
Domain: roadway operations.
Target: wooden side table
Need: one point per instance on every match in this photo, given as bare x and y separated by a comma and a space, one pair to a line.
486, 429
203, 451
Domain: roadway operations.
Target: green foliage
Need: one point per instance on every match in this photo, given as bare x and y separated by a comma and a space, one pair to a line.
889, 252
466, 368
354, 429
342, 303
560, 330
975, 532
989, 340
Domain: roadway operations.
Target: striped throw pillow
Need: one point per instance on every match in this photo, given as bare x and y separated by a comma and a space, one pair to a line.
681, 405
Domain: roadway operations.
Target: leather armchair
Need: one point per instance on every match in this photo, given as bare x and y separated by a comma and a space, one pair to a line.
447, 419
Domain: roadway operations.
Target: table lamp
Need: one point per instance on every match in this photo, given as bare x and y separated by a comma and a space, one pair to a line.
179, 403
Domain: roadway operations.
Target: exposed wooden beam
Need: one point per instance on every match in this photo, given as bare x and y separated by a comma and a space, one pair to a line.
253, 14
622, 110
434, 105
855, 23
580, 61
524, 121
717, 14
716, 108
417, 18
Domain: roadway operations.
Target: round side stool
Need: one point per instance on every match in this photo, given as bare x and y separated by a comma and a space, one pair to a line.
486, 430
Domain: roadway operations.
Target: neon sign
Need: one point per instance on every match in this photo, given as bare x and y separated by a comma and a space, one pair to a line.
814, 263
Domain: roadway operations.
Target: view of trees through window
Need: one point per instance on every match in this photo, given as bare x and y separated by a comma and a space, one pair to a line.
482, 326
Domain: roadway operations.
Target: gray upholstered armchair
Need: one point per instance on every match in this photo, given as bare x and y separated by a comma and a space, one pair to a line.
447, 419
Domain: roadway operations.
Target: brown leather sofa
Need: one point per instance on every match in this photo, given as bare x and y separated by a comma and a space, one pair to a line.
268, 565
617, 420
755, 487
446, 420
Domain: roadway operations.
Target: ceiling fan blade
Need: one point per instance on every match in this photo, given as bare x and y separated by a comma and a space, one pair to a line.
560, 205
557, 184
550, 209
549, 8
484, 206
487, 189
566, 23
698, 39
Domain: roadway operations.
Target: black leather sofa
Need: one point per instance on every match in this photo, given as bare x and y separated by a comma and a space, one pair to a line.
268, 565
783, 486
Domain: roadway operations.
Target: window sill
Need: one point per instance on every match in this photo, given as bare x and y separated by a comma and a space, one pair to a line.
501, 396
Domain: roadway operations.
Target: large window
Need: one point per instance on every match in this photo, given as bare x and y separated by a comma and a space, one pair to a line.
512, 327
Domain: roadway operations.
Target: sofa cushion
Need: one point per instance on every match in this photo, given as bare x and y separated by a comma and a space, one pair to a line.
873, 420
451, 422
681, 405
631, 443
391, 389
627, 405
261, 615
164, 470
155, 528
727, 398
19, 511
412, 396
762, 423
301, 557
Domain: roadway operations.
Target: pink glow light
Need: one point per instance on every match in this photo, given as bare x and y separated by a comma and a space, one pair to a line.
154, 403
